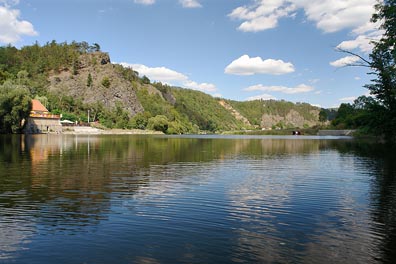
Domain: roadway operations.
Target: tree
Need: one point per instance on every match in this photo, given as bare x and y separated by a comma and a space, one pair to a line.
344, 118
106, 82
15, 106
382, 61
383, 64
158, 123
95, 47
323, 116
140, 120
145, 80
89, 80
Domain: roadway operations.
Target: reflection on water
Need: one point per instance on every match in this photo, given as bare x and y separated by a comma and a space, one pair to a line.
195, 199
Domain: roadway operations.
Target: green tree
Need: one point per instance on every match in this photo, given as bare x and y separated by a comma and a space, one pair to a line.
158, 123
140, 120
89, 80
15, 106
145, 80
106, 82
382, 62
94, 48
322, 116
23, 77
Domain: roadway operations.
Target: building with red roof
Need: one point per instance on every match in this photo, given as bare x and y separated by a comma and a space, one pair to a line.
41, 120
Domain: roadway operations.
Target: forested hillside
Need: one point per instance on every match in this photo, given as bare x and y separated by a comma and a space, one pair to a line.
77, 78
277, 114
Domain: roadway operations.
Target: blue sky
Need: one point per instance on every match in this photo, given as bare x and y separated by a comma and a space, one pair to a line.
235, 49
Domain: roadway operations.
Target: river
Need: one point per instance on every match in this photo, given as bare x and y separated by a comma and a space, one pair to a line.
196, 199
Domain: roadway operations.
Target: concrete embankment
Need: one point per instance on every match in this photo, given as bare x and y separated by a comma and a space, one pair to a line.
346, 132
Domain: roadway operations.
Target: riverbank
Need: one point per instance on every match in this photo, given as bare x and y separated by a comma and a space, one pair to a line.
81, 130
274, 132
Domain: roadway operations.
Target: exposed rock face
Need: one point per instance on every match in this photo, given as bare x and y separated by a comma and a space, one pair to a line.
268, 121
97, 64
235, 113
94, 58
168, 96
292, 119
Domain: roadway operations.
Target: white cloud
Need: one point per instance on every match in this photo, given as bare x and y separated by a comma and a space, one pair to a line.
207, 87
328, 16
145, 2
190, 3
262, 15
302, 88
261, 97
12, 28
362, 42
348, 99
345, 61
245, 65
161, 74
335, 15
171, 77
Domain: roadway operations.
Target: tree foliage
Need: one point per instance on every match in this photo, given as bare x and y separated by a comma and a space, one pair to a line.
377, 114
362, 115
15, 106
158, 123
383, 64
323, 116
204, 111
254, 110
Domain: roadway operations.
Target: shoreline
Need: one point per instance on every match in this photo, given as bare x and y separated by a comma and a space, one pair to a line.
110, 132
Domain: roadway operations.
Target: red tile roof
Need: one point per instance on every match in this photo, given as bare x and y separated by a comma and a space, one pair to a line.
38, 107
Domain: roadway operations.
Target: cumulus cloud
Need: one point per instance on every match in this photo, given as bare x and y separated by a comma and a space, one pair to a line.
261, 97
245, 65
345, 61
166, 75
262, 15
145, 2
328, 16
190, 3
363, 42
208, 87
302, 88
12, 28
161, 74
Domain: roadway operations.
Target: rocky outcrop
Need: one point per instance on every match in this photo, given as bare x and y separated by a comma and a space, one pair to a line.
291, 119
107, 85
235, 113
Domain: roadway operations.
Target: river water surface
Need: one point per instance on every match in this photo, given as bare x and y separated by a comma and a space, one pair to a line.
196, 199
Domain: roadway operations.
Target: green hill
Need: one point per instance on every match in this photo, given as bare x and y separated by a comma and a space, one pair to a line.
77, 78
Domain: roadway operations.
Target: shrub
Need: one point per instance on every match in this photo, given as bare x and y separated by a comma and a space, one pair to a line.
158, 123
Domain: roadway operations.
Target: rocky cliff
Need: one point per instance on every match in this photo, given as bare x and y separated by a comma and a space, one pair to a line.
95, 79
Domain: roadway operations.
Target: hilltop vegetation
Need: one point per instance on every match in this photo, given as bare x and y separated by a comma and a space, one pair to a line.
77, 78
277, 114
